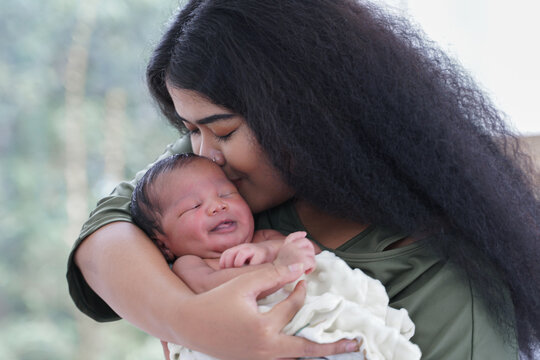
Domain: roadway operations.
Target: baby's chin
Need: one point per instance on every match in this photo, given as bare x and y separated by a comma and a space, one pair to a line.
228, 241
242, 239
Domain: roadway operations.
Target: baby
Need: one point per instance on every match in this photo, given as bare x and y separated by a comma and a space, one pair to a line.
200, 222
197, 218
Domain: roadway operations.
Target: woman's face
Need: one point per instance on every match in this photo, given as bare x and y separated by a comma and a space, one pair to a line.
224, 137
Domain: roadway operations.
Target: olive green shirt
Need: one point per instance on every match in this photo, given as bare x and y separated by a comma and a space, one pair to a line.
451, 323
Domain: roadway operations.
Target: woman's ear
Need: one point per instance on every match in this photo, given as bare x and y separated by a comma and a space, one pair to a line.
165, 251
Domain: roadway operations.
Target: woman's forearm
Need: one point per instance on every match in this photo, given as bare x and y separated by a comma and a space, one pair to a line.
126, 270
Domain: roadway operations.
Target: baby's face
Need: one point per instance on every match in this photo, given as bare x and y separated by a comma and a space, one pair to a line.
203, 213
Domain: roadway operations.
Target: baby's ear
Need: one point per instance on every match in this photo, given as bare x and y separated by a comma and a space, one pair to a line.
169, 256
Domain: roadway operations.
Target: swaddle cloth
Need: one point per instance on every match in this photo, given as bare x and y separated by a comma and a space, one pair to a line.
341, 303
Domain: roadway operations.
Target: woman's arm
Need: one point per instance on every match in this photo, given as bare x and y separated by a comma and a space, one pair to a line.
130, 274
125, 269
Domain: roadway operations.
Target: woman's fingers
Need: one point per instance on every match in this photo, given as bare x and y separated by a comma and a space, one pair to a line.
165, 349
251, 334
284, 311
272, 276
308, 349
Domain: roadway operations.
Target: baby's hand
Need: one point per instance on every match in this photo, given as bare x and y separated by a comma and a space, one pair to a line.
243, 254
297, 249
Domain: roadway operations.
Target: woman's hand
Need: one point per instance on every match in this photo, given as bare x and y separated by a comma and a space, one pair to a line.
165, 349
229, 325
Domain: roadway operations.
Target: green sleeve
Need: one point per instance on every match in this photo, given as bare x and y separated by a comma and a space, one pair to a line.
114, 207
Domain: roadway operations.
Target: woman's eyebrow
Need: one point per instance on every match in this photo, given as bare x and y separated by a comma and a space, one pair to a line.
209, 119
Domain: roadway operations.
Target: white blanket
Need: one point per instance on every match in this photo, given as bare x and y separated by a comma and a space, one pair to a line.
341, 303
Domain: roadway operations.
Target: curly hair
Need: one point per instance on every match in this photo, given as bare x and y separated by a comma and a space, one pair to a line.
411, 136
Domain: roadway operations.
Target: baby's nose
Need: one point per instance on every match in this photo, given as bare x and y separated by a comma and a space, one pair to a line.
218, 207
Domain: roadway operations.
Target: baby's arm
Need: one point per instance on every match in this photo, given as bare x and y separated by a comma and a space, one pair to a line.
202, 275
272, 246
263, 249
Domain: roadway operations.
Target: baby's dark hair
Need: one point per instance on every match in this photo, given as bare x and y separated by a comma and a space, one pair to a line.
145, 208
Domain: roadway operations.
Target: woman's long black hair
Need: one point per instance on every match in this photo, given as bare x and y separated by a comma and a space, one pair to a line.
372, 122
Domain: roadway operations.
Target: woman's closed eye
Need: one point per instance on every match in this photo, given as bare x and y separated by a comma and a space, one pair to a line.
224, 137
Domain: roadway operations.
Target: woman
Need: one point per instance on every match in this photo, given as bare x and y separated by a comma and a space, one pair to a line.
421, 185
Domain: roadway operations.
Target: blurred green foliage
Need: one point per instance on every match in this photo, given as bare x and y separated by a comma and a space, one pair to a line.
37, 318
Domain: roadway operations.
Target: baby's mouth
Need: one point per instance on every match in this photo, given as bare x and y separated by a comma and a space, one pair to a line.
224, 226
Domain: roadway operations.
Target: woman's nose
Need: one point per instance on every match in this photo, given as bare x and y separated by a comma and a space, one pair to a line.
217, 157
217, 207
210, 152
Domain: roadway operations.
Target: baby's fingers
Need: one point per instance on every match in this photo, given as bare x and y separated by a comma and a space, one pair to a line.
257, 258
223, 260
227, 258
309, 263
295, 236
243, 257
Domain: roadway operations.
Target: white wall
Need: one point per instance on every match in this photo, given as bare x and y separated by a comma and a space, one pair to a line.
498, 41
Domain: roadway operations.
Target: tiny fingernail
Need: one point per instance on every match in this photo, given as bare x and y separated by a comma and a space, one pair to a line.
296, 267
352, 346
